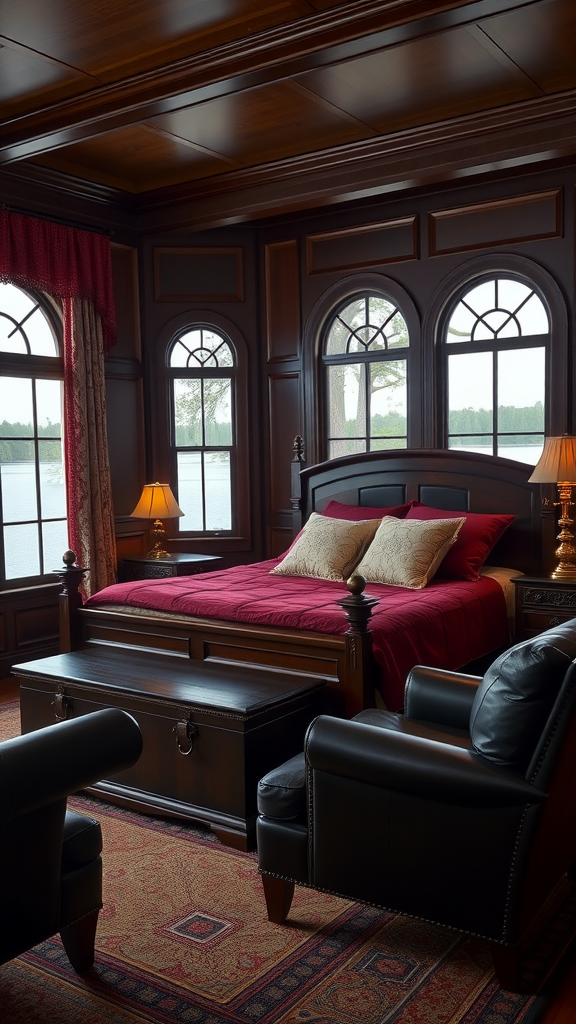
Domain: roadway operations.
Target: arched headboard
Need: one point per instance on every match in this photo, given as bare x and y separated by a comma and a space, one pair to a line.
449, 479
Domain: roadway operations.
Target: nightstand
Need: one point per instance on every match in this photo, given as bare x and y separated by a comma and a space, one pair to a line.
140, 567
542, 603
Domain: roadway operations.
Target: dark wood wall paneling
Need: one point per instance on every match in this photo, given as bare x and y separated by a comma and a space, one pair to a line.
503, 221
356, 247
417, 240
29, 625
204, 273
211, 278
125, 401
418, 243
283, 347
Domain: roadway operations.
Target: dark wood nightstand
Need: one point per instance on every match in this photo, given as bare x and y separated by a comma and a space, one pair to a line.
140, 567
542, 603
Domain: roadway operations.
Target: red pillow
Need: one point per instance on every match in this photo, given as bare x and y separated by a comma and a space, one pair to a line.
355, 513
474, 543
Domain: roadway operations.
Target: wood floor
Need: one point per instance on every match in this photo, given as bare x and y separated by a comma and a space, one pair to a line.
563, 1007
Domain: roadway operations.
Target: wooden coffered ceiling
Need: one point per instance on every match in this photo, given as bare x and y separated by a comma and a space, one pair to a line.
198, 112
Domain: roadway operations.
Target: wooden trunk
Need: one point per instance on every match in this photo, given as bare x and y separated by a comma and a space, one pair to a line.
210, 732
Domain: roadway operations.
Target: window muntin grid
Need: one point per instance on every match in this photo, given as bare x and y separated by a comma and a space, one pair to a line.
202, 366
24, 326
495, 344
366, 364
33, 514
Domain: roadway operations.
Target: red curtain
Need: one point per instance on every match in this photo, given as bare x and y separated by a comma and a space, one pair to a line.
64, 262
75, 267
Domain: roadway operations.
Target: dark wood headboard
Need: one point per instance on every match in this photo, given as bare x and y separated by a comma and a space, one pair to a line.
455, 480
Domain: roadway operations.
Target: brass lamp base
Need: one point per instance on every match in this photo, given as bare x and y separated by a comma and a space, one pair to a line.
158, 533
566, 550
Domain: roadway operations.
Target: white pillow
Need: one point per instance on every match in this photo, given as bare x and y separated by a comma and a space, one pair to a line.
328, 549
406, 557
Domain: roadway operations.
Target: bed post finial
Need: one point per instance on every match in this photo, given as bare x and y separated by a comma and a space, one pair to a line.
298, 463
358, 609
70, 601
357, 606
298, 449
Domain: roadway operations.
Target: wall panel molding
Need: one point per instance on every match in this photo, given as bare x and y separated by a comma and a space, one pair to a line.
505, 221
29, 624
192, 274
280, 538
389, 241
284, 423
282, 282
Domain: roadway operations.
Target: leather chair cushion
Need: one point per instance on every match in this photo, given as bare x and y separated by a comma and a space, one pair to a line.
82, 841
516, 695
393, 722
282, 793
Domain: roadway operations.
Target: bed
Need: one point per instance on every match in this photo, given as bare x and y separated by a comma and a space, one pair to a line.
363, 643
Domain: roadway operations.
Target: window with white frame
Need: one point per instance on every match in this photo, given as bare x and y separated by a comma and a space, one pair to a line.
365, 356
202, 368
495, 347
33, 514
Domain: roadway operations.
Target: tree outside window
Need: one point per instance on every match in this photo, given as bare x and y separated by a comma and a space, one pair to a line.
365, 357
202, 369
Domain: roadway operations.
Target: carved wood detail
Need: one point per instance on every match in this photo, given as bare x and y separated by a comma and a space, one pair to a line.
557, 598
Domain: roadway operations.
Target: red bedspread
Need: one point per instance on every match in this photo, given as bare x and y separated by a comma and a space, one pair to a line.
447, 624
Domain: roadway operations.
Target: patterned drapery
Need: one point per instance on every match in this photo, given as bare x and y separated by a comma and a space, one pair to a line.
90, 512
64, 262
74, 266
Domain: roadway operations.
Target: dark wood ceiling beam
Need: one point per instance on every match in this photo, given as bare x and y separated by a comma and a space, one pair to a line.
519, 135
276, 54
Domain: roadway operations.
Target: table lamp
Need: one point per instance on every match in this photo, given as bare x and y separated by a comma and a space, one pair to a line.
557, 465
157, 502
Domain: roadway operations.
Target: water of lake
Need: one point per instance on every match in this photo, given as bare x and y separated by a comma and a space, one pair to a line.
19, 502
22, 550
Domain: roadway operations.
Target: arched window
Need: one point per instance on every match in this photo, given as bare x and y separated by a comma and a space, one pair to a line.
202, 369
32, 487
496, 351
365, 356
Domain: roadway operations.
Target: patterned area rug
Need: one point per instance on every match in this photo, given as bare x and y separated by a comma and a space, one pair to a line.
183, 937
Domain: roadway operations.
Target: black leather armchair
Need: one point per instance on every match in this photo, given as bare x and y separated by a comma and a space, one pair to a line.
49, 857
462, 811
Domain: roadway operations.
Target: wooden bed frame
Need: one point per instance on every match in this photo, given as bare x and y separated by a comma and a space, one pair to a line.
452, 480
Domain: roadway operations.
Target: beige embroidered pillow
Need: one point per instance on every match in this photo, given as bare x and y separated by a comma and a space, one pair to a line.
328, 549
406, 557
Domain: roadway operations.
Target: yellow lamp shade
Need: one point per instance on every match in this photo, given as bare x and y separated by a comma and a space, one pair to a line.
157, 502
557, 464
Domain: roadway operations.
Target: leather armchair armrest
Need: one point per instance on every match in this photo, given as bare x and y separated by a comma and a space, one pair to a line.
48, 765
413, 764
436, 695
